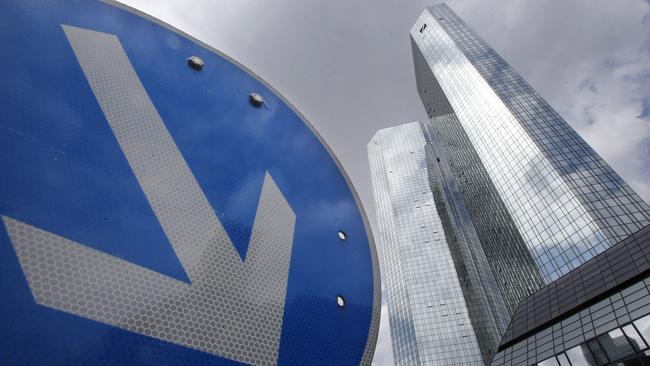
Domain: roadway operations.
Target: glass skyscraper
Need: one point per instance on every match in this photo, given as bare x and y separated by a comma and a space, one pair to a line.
442, 296
517, 197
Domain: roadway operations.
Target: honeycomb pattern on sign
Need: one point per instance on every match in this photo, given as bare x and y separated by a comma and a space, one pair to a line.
231, 308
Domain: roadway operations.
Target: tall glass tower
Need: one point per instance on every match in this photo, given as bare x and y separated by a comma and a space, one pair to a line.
444, 302
520, 196
542, 200
442, 297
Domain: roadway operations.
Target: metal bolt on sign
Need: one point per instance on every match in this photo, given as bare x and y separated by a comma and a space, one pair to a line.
195, 62
342, 235
340, 301
256, 99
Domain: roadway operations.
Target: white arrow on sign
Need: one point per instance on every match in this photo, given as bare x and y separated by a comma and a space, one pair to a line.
233, 309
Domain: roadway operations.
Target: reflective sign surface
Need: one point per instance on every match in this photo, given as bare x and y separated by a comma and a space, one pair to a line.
155, 213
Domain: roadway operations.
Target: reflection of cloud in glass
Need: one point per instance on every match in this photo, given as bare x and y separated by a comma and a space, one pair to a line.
536, 196
429, 316
486, 305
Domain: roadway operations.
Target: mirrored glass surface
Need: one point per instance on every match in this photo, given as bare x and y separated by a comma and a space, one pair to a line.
634, 337
581, 356
615, 345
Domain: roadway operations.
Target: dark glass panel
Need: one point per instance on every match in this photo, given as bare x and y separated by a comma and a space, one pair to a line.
597, 352
635, 339
616, 345
581, 356
563, 360
643, 325
549, 362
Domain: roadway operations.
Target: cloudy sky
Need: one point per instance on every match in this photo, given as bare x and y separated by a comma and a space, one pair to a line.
347, 66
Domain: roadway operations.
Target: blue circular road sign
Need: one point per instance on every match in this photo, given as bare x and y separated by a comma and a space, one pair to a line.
161, 205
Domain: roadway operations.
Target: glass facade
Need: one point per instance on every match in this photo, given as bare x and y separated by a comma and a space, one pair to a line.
541, 200
492, 199
614, 331
487, 309
597, 314
429, 315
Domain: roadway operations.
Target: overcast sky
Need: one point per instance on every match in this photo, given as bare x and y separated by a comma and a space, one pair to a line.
347, 66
